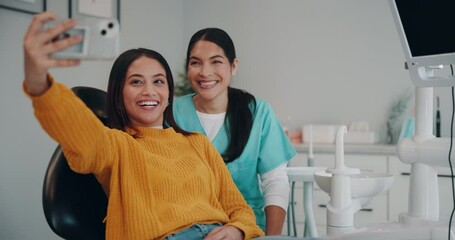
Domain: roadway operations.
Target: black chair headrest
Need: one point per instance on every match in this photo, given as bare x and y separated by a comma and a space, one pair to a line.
95, 99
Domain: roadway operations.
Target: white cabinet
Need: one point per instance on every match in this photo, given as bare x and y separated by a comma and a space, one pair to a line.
399, 191
445, 193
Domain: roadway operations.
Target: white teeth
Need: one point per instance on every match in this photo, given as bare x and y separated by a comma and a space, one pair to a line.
148, 103
207, 83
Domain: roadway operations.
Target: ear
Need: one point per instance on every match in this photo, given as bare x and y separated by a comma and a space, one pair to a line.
234, 66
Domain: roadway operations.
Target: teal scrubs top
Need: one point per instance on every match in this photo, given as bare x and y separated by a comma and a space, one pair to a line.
267, 148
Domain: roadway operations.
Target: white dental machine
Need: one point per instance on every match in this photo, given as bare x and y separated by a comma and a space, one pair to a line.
427, 33
426, 29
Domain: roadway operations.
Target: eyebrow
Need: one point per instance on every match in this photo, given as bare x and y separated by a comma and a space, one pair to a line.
212, 57
140, 75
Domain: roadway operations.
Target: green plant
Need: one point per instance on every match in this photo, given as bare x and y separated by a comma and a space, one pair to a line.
396, 114
182, 86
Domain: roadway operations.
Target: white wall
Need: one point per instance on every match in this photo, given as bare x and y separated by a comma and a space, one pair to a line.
314, 61
317, 61
24, 148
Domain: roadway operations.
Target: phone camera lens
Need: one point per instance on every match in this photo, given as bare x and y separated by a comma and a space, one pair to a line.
110, 25
103, 32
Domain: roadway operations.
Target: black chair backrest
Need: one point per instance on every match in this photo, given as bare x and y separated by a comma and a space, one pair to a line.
75, 204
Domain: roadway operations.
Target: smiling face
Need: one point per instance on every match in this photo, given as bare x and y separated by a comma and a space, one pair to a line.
145, 92
209, 70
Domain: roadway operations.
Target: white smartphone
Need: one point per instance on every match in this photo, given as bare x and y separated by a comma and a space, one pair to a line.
101, 39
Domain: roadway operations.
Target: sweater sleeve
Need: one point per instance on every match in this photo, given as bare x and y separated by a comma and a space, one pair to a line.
75, 127
240, 214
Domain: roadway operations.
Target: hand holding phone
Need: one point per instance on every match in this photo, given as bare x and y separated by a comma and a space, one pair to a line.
100, 39
38, 47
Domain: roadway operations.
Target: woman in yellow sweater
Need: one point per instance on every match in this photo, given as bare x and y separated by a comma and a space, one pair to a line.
161, 182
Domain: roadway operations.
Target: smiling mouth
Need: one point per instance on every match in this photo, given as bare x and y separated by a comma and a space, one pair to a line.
207, 84
148, 104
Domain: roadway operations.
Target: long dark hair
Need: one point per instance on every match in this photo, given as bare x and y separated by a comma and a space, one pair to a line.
117, 116
241, 104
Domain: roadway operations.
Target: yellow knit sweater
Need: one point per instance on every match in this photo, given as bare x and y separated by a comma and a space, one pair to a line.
157, 184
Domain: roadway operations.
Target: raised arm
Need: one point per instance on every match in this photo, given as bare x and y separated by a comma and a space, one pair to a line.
38, 46
84, 139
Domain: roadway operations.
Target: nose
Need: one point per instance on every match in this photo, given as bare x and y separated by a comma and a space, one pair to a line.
148, 90
206, 70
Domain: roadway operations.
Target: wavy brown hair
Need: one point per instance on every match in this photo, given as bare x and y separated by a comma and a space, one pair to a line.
117, 116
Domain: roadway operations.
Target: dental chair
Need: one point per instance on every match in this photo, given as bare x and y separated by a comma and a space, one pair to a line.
75, 204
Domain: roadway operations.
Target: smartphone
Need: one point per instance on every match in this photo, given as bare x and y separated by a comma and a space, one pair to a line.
100, 39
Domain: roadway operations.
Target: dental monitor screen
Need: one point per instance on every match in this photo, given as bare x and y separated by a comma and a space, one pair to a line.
427, 32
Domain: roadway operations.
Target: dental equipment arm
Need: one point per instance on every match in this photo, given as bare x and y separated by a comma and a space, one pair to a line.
424, 152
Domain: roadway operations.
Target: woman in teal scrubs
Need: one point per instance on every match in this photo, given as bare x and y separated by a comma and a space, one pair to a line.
243, 128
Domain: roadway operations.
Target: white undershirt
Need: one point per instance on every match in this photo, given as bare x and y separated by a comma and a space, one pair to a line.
274, 183
275, 187
211, 123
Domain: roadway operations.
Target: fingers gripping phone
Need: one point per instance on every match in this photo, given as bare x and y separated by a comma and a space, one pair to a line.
100, 39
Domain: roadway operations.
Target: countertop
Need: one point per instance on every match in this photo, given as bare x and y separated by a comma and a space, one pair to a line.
379, 149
